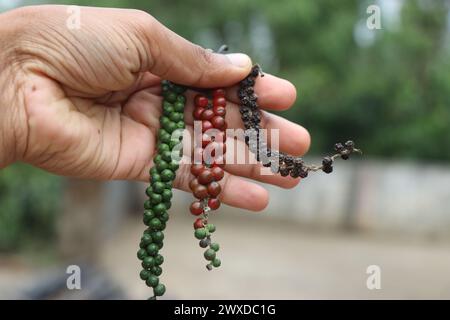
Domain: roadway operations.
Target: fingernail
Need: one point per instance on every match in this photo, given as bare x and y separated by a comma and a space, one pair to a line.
239, 59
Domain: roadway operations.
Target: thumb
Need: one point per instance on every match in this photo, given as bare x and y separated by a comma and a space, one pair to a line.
174, 58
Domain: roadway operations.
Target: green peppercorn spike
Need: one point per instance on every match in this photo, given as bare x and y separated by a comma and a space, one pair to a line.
159, 191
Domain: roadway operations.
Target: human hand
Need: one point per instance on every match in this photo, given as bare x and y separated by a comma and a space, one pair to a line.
86, 102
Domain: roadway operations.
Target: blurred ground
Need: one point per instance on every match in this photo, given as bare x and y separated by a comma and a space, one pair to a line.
264, 256
300, 264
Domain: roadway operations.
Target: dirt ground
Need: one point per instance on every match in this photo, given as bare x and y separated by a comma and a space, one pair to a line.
264, 258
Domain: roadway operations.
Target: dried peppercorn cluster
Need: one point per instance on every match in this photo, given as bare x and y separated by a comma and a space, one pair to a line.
279, 162
209, 169
160, 190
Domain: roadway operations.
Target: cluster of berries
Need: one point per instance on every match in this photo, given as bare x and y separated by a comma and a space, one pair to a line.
159, 191
279, 162
209, 170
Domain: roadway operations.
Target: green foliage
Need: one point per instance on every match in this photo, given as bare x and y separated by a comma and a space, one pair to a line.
391, 97
29, 201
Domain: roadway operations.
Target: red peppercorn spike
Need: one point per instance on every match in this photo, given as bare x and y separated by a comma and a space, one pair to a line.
205, 185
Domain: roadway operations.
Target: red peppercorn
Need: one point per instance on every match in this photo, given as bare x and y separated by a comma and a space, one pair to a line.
196, 208
214, 203
193, 184
219, 111
206, 125
201, 192
217, 173
197, 168
219, 101
201, 101
218, 122
214, 189
218, 93
197, 114
207, 114
205, 177
198, 223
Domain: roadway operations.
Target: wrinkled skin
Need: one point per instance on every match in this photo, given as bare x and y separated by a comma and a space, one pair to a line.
86, 102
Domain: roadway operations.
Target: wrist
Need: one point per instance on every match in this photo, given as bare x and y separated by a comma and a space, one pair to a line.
11, 102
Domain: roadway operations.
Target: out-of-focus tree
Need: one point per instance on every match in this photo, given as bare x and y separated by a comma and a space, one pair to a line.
392, 95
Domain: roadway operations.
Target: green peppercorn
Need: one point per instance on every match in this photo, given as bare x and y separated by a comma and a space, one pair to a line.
152, 249
164, 217
144, 274
163, 147
153, 171
149, 214
156, 270
159, 290
168, 109
168, 204
148, 262
164, 121
149, 191
155, 178
155, 224
157, 159
200, 233
167, 175
178, 106
152, 281
160, 245
146, 239
180, 125
181, 98
161, 166
155, 198
174, 165
167, 155
166, 194
157, 236
159, 209
141, 254
173, 144
159, 259
215, 246
216, 262
176, 116
146, 221
209, 254
163, 226
168, 184
211, 227
147, 205
158, 187
171, 96
171, 126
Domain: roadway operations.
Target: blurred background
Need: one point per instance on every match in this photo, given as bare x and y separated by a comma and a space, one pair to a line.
388, 89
